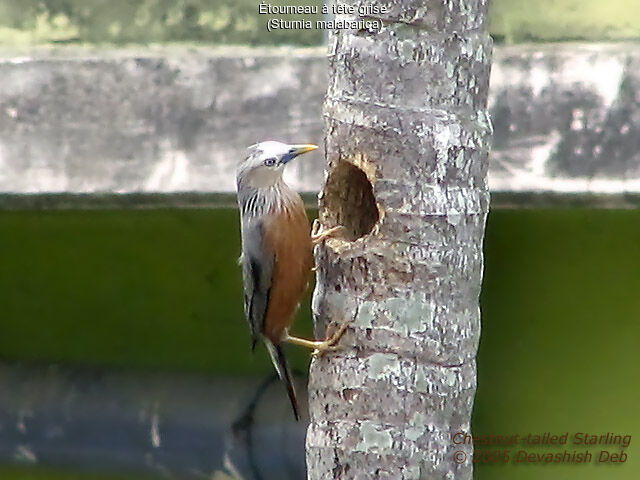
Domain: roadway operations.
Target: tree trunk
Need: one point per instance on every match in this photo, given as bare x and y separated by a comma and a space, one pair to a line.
408, 136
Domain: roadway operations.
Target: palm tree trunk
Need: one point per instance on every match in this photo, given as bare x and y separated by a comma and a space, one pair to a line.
408, 137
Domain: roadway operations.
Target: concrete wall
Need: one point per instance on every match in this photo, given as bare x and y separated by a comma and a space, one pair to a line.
567, 117
152, 120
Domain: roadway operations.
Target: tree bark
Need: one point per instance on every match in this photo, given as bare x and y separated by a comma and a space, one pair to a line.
408, 136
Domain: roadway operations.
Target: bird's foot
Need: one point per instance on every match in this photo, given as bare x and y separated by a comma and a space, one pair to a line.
320, 347
318, 235
331, 343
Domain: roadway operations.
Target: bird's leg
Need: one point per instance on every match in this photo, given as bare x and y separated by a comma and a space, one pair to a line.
322, 346
318, 236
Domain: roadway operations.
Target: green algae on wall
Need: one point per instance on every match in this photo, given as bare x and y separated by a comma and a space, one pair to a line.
160, 289
128, 288
558, 347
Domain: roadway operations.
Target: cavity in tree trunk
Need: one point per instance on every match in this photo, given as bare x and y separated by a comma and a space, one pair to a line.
408, 136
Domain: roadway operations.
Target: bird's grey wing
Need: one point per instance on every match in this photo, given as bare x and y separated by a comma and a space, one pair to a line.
257, 269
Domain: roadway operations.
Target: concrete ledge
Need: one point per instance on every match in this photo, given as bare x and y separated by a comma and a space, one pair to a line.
169, 120
119, 201
93, 201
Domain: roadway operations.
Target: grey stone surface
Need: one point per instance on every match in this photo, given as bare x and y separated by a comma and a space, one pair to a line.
171, 119
566, 118
165, 120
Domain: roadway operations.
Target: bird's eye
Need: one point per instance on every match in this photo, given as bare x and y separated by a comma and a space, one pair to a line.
270, 162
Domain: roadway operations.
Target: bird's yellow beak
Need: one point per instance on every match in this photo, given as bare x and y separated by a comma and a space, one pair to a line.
300, 149
295, 150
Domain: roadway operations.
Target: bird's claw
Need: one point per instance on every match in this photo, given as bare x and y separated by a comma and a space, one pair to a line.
315, 227
319, 351
330, 344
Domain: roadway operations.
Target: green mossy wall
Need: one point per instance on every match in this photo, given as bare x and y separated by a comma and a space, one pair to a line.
560, 330
160, 289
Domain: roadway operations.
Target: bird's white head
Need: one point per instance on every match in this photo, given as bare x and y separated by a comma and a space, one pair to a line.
265, 162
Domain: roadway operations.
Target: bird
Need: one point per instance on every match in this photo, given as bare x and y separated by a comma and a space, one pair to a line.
277, 253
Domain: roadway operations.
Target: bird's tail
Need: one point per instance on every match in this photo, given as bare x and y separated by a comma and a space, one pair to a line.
280, 362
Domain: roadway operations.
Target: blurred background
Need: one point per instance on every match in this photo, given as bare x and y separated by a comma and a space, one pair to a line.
123, 349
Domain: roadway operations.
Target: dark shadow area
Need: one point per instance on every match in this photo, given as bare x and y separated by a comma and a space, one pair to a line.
152, 424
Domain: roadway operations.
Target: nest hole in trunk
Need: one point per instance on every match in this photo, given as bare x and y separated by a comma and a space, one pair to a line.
349, 201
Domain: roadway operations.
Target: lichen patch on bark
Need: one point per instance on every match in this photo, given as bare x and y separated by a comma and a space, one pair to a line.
374, 438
